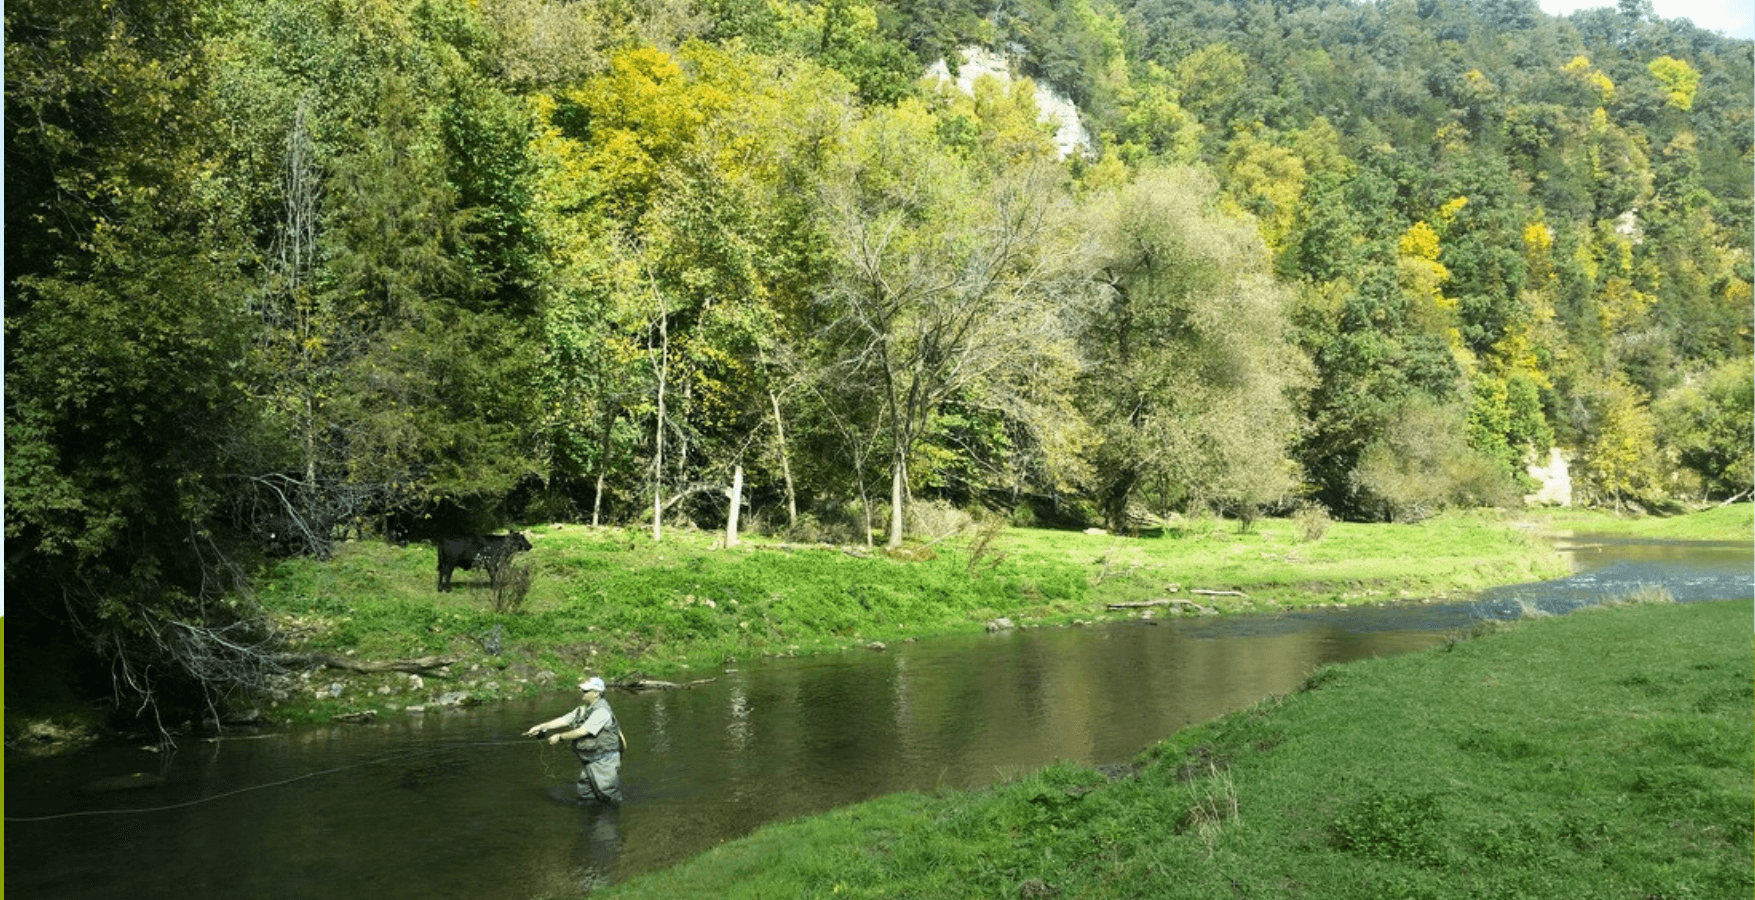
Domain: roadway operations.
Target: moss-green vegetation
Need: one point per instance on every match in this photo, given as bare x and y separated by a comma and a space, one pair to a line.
612, 601
1603, 754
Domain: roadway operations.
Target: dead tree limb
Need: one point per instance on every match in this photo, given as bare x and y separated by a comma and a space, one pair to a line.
653, 684
425, 665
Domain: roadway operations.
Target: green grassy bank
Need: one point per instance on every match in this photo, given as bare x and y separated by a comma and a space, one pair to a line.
614, 602
1604, 754
1735, 522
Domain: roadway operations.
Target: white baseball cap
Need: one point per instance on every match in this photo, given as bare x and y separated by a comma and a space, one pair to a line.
592, 684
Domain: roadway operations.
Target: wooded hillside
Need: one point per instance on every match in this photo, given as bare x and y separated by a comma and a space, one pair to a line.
280, 272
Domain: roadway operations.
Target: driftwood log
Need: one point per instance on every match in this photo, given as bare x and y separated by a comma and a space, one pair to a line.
424, 665
1148, 604
653, 684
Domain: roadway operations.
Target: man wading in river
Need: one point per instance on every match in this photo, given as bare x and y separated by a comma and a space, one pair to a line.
597, 741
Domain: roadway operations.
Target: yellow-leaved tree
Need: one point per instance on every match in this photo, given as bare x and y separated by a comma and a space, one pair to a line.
1619, 461
1678, 79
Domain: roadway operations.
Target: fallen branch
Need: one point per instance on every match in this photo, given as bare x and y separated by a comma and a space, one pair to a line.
424, 665
1147, 604
690, 490
1107, 560
1219, 593
653, 684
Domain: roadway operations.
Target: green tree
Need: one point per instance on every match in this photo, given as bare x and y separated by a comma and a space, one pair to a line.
943, 285
394, 310
1375, 355
1619, 461
123, 325
1192, 371
1707, 423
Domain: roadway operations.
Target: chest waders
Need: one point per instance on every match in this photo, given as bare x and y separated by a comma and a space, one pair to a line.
600, 758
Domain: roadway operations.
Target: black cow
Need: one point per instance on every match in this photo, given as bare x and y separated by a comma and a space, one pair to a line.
468, 551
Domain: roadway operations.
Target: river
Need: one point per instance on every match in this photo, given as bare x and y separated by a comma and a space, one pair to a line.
456, 804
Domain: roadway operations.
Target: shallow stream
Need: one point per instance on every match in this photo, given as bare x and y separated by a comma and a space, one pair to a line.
456, 804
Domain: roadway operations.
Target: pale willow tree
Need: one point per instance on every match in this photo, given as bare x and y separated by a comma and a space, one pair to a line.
1192, 370
946, 282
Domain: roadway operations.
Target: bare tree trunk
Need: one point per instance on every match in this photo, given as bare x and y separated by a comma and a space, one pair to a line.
682, 434
736, 503
602, 470
898, 488
865, 510
785, 462
298, 255
663, 366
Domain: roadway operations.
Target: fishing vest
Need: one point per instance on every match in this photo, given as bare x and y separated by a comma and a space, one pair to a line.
608, 739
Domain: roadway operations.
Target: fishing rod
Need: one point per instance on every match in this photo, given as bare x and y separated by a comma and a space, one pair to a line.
393, 757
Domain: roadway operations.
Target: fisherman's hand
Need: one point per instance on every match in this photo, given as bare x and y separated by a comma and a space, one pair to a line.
554, 738
534, 731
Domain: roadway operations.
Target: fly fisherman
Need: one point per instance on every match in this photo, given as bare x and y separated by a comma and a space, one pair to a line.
597, 741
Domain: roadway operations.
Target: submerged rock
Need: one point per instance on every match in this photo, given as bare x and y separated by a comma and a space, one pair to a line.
118, 783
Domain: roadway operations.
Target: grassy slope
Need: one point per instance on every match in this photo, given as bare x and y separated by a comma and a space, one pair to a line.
611, 601
1604, 754
1735, 522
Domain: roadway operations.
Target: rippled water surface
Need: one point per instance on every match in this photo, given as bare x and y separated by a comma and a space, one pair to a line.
457, 805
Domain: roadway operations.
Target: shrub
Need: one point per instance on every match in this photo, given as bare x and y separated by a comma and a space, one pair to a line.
829, 523
936, 520
981, 544
510, 582
1423, 465
1312, 522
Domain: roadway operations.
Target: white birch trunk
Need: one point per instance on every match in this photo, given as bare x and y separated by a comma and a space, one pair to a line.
658, 430
736, 504
898, 487
785, 462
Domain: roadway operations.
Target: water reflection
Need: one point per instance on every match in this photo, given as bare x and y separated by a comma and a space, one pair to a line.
456, 804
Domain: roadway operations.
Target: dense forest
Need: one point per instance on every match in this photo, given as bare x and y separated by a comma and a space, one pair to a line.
284, 272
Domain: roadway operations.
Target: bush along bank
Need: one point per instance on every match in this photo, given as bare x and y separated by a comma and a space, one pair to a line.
613, 602
1602, 754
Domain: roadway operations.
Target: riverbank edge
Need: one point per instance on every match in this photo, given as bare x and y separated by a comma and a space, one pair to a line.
1509, 563
1571, 755
74, 726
